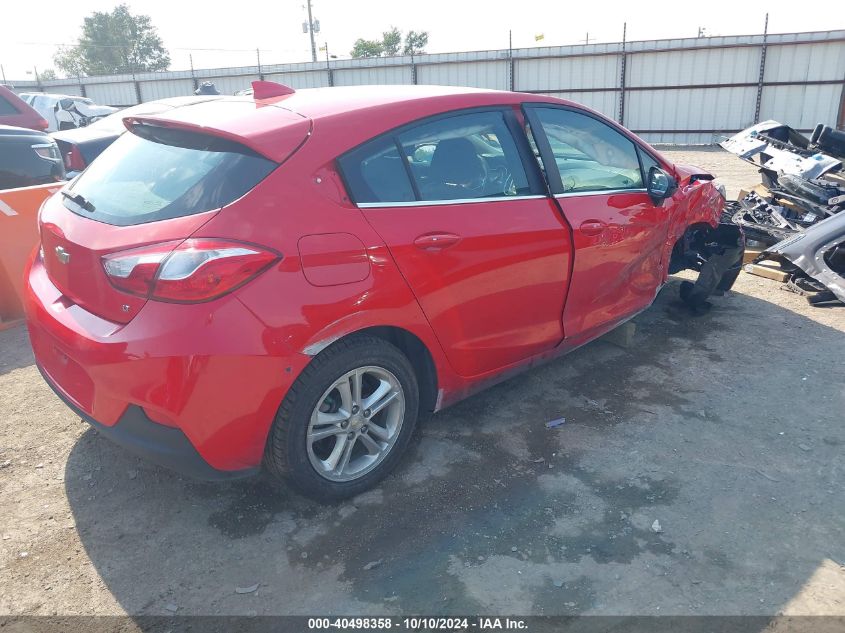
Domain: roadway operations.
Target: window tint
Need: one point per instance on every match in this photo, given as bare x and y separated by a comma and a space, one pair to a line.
156, 174
465, 156
6, 107
590, 155
374, 173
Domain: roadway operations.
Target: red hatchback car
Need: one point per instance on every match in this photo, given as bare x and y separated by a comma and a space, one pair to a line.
16, 112
293, 279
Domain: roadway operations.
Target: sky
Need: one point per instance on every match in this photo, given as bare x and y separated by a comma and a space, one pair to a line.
34, 29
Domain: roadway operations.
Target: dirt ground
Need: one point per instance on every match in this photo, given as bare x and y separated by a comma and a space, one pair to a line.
700, 471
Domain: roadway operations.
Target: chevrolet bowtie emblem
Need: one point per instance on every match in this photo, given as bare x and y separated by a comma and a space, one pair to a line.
62, 255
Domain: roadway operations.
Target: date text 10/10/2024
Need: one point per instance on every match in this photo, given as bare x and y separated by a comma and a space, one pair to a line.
418, 624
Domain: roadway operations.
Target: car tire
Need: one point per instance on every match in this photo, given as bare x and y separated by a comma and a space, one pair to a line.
293, 456
729, 278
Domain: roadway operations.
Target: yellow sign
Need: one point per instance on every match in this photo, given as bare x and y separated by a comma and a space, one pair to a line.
539, 37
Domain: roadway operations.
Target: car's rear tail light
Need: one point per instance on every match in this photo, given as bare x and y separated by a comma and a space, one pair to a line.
74, 160
48, 151
193, 271
42, 124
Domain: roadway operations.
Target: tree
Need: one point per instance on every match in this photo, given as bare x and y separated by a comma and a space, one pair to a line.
115, 43
415, 42
391, 41
391, 44
47, 74
367, 48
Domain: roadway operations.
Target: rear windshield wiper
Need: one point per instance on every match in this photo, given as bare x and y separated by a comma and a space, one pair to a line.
79, 199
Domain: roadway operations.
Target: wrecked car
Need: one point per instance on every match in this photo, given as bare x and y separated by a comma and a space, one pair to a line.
293, 285
66, 112
816, 260
801, 179
796, 209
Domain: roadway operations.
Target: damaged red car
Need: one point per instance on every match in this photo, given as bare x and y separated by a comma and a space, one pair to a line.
293, 279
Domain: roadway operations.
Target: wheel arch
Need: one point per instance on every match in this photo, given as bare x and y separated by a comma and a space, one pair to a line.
678, 254
418, 354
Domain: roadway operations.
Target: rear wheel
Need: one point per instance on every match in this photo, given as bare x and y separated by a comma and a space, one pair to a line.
347, 419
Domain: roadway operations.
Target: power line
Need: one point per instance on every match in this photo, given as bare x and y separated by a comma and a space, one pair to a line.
172, 48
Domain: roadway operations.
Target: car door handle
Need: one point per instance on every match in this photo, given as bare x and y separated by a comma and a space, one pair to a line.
592, 227
436, 241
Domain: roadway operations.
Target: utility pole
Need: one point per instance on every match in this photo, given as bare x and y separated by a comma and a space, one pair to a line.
587, 41
258, 57
3, 72
311, 33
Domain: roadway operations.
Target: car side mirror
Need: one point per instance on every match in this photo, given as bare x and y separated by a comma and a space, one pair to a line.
660, 185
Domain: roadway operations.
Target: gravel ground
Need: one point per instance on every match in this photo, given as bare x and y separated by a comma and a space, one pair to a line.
699, 471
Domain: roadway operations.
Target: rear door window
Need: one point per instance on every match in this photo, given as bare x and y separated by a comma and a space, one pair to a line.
462, 156
465, 156
158, 173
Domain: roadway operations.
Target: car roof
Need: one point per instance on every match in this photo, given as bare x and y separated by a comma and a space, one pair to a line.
375, 109
7, 131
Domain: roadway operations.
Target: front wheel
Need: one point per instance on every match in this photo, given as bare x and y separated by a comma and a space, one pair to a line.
347, 419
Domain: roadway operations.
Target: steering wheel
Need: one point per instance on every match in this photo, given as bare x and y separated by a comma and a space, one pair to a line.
479, 182
504, 179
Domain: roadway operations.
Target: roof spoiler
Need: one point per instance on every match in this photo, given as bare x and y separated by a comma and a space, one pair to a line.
269, 89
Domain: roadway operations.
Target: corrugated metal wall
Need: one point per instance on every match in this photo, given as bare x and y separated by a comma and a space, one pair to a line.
672, 91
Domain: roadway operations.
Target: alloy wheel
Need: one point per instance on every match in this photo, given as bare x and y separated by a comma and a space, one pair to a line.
355, 423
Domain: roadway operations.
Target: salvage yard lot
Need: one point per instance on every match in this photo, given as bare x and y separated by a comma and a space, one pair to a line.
725, 429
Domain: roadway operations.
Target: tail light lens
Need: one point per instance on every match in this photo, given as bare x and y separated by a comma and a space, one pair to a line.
74, 160
187, 272
42, 124
47, 151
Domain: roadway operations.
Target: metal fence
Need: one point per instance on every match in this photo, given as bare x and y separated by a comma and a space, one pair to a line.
685, 91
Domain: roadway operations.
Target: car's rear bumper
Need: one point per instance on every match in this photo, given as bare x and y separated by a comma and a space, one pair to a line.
194, 387
162, 445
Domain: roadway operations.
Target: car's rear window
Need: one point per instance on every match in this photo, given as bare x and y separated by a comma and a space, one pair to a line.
6, 107
159, 173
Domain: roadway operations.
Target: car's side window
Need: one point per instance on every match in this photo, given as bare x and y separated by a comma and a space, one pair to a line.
589, 154
374, 173
458, 157
465, 156
647, 162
